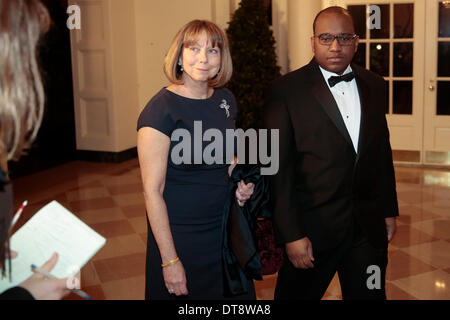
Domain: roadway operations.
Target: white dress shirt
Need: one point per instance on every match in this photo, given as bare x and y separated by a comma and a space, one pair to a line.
346, 96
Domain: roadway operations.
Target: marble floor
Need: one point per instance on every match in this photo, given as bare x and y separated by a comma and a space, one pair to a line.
108, 197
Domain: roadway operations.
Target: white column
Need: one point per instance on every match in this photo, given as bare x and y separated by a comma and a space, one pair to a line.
330, 3
234, 4
301, 14
280, 32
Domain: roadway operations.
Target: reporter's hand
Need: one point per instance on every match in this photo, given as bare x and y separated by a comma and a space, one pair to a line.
300, 253
175, 279
46, 288
13, 254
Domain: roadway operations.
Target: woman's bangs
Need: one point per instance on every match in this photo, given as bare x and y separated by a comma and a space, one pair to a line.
192, 36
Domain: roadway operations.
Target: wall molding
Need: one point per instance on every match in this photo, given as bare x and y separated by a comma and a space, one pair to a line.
105, 156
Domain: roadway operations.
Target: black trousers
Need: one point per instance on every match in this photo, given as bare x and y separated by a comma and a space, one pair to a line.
356, 261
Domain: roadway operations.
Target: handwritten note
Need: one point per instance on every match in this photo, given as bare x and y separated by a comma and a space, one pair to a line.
52, 229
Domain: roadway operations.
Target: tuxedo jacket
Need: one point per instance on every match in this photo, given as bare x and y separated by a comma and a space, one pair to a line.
322, 184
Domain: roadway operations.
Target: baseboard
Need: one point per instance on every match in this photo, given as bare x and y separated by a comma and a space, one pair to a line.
103, 156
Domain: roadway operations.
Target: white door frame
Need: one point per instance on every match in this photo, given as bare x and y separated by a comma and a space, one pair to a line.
436, 142
406, 131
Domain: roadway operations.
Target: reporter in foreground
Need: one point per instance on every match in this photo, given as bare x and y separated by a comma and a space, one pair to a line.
21, 110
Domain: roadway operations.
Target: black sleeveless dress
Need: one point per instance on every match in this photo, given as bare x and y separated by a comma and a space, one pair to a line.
195, 193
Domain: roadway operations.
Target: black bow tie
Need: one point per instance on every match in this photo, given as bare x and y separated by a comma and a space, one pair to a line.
333, 80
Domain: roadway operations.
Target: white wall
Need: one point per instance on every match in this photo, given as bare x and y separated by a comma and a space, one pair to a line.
117, 62
123, 44
157, 22
125, 74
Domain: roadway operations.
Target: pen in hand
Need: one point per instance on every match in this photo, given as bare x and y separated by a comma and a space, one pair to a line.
18, 214
79, 292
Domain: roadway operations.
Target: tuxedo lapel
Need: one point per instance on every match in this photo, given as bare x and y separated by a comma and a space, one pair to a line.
364, 129
323, 94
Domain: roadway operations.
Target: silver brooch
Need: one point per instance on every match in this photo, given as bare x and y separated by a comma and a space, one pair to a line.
226, 106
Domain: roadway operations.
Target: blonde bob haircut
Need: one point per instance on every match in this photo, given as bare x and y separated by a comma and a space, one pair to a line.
188, 36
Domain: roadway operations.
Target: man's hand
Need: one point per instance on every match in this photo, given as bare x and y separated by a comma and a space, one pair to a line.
300, 253
391, 227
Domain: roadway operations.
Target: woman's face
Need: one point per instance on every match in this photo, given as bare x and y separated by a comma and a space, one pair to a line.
201, 61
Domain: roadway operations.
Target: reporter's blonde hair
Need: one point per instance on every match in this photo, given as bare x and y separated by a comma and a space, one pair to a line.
187, 36
21, 90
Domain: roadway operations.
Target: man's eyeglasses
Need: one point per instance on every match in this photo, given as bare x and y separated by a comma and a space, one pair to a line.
344, 39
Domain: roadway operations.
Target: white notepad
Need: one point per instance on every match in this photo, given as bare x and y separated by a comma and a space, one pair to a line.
51, 229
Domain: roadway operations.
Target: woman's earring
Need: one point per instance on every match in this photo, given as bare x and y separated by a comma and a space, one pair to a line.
181, 65
215, 76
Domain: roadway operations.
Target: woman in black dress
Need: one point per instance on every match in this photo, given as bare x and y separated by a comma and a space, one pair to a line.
184, 192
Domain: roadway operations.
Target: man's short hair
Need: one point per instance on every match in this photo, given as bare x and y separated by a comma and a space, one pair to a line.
334, 10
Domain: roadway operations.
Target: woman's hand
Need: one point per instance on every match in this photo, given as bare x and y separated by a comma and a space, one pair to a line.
175, 279
244, 192
391, 227
43, 288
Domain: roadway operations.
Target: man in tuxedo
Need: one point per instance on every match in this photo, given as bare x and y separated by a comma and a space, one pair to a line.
334, 196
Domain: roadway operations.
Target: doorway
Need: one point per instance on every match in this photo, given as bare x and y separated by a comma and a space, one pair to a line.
411, 50
55, 142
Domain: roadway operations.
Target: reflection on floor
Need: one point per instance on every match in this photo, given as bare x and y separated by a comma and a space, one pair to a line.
108, 197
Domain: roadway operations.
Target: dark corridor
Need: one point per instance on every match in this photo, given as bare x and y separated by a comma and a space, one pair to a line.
55, 143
